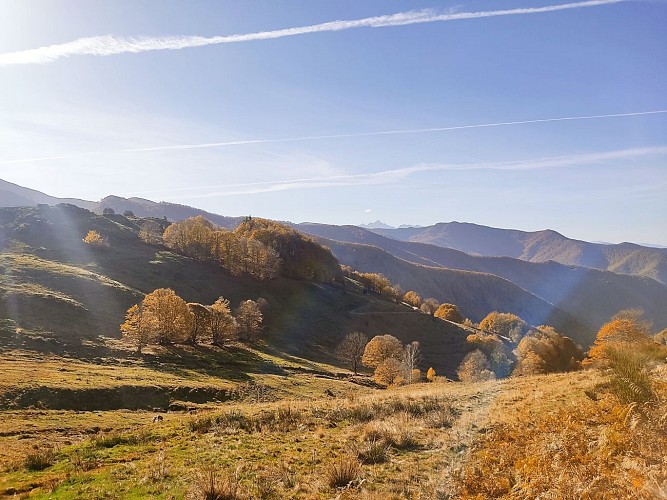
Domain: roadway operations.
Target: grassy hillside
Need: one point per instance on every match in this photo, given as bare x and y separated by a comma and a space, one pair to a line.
555, 436
59, 290
540, 246
591, 295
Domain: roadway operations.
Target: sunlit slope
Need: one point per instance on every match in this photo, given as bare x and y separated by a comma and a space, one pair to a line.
52, 284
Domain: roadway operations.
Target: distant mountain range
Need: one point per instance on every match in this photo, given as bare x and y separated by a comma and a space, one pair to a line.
542, 276
589, 295
378, 224
539, 246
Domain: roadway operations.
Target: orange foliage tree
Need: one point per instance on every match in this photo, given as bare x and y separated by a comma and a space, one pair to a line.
625, 328
450, 312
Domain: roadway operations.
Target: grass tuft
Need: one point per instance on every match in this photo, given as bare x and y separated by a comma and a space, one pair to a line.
215, 485
343, 473
373, 452
40, 459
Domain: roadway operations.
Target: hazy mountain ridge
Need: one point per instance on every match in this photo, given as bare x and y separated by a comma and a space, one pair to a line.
590, 295
539, 246
13, 195
475, 293
172, 211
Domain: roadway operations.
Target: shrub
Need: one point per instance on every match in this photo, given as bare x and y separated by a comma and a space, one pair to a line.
201, 425
95, 240
630, 382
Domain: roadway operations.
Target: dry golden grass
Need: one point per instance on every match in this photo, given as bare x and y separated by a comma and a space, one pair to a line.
557, 442
520, 438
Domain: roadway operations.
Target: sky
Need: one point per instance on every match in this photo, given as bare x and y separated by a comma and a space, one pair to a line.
527, 114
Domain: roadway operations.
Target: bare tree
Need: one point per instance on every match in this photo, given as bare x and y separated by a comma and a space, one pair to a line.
352, 348
412, 356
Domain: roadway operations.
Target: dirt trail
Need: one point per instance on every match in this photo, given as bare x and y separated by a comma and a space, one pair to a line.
476, 414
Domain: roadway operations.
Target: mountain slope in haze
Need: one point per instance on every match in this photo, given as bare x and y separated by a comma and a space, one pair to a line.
61, 294
540, 246
591, 295
476, 294
172, 211
13, 195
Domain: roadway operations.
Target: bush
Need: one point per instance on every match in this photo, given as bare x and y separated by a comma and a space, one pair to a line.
630, 382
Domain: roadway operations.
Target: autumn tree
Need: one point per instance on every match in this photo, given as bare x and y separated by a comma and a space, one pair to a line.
412, 298
223, 324
167, 315
498, 354
192, 237
161, 317
389, 372
352, 348
95, 239
627, 328
449, 312
429, 306
430, 375
135, 329
544, 350
150, 232
505, 324
475, 367
380, 348
249, 319
201, 324
412, 356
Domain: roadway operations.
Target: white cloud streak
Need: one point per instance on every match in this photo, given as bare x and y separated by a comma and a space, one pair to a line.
396, 175
177, 147
110, 45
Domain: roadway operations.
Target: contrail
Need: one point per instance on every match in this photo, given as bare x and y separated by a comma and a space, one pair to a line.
389, 176
206, 145
388, 132
110, 45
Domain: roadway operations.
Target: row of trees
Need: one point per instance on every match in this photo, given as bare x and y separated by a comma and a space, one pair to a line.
259, 248
163, 317
508, 344
198, 238
393, 362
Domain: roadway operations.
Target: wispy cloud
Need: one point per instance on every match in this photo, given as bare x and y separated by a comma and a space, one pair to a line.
206, 145
110, 45
396, 175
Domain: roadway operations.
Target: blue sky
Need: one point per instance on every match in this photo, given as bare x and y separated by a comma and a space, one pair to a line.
288, 127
